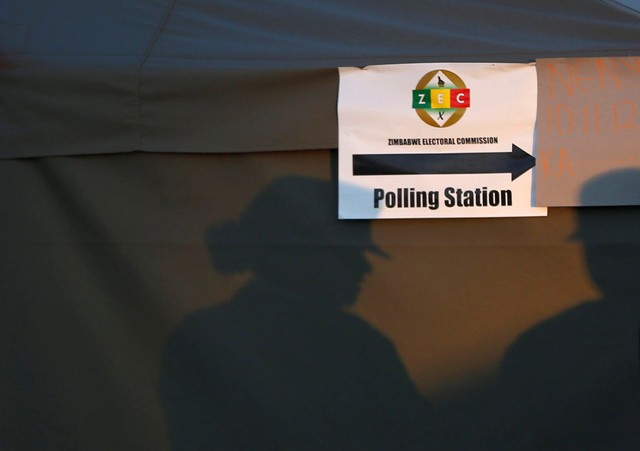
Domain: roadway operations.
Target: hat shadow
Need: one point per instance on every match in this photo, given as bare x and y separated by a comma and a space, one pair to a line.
282, 365
571, 381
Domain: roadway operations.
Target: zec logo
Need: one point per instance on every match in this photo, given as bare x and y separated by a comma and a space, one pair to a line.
441, 98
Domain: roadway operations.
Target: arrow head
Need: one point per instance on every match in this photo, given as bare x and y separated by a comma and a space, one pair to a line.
522, 161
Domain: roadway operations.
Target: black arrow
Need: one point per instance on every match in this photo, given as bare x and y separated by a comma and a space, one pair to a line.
516, 162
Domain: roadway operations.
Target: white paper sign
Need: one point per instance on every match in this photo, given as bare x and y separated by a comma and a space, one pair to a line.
437, 140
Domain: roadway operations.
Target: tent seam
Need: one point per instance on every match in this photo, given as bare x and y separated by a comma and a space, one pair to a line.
145, 55
621, 7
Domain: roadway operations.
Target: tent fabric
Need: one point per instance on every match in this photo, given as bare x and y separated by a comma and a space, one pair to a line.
628, 6
499, 334
116, 309
185, 76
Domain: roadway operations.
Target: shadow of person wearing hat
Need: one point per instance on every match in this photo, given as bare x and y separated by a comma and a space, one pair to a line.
572, 382
282, 365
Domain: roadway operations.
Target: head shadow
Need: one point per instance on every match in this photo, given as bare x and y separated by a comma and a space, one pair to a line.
571, 380
289, 236
610, 234
282, 365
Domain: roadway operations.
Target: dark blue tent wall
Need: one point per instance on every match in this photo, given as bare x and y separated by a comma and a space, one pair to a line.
515, 333
186, 76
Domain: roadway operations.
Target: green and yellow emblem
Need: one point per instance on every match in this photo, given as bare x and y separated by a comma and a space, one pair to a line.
441, 98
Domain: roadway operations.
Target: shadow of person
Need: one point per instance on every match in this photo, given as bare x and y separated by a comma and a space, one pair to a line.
572, 381
282, 365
